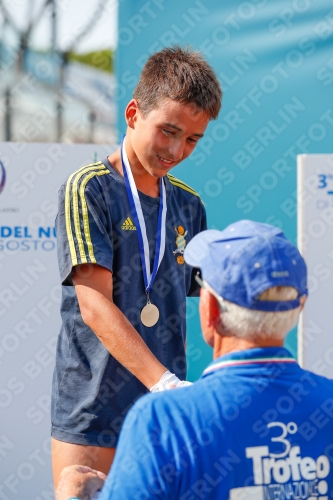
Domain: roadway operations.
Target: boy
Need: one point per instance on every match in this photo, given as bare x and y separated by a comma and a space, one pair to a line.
122, 226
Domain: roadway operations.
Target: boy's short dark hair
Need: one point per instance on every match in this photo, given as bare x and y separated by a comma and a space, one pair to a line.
180, 74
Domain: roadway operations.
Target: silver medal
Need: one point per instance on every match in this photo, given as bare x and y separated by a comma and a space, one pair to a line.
150, 315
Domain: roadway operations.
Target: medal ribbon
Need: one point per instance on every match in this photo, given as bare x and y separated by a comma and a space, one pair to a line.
134, 200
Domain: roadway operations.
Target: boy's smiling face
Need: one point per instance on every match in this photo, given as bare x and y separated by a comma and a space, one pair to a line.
163, 138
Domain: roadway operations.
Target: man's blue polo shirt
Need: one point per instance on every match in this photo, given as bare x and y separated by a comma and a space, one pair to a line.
255, 426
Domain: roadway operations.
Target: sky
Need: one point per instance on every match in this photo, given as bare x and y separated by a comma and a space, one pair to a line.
73, 17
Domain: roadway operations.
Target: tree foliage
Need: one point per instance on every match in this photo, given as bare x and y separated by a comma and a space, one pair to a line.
102, 59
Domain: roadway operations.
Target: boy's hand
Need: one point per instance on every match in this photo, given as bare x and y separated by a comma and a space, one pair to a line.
169, 381
79, 481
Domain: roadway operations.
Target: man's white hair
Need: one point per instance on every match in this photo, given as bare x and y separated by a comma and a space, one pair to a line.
241, 322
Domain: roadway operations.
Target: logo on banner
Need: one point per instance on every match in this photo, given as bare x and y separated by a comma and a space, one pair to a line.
2, 176
281, 471
24, 239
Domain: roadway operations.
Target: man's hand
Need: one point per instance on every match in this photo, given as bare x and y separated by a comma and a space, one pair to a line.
79, 481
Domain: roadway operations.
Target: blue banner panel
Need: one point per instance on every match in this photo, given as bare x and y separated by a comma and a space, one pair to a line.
275, 64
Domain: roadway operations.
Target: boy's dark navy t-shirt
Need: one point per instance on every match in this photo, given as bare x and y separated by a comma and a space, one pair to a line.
91, 391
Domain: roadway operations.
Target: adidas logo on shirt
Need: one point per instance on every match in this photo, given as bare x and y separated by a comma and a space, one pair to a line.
128, 225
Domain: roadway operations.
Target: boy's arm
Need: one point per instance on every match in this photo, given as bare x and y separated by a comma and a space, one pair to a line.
93, 286
194, 290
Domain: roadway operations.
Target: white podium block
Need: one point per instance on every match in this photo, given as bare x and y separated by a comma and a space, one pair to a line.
315, 242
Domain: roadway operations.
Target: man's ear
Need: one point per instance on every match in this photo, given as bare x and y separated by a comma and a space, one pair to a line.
212, 308
206, 317
302, 301
215, 312
131, 113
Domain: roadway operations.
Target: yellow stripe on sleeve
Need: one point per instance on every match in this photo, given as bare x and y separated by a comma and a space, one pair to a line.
68, 210
85, 215
76, 211
68, 221
181, 184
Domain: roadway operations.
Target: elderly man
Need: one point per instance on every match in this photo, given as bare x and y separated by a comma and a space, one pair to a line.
255, 426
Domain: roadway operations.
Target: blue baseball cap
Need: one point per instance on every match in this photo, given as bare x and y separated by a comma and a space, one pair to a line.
244, 260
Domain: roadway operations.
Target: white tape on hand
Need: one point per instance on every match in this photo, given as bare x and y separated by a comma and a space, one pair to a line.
169, 381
